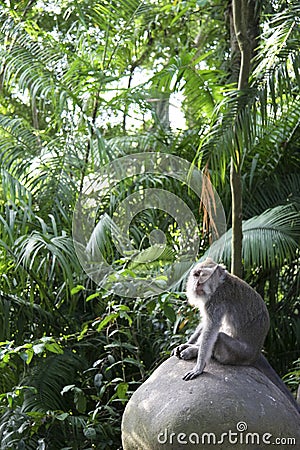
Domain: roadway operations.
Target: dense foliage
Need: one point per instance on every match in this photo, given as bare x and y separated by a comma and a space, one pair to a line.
82, 84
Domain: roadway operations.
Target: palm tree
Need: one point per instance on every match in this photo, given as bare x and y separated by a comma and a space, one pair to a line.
266, 130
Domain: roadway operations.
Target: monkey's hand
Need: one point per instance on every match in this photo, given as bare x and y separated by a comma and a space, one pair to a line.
177, 350
192, 374
185, 351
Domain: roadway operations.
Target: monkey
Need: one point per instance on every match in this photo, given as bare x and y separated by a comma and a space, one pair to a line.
235, 322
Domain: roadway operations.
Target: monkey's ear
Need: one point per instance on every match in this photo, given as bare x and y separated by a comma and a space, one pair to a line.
222, 270
209, 261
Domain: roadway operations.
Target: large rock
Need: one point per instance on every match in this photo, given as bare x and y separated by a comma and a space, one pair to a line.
226, 407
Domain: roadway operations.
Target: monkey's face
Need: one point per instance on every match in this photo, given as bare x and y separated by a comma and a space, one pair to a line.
203, 281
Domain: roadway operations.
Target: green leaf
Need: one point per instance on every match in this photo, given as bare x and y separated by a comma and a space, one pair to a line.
27, 356
77, 289
80, 400
62, 416
92, 296
68, 388
38, 348
122, 389
83, 332
169, 312
110, 318
133, 361
54, 348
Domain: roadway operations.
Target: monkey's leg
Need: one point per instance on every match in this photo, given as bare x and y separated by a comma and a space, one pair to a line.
265, 367
228, 350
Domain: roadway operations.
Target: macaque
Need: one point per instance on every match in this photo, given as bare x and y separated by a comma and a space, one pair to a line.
235, 322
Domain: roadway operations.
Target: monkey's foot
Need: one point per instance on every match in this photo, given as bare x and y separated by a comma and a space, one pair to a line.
189, 352
192, 374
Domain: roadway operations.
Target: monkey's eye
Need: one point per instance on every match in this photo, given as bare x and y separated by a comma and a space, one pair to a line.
197, 273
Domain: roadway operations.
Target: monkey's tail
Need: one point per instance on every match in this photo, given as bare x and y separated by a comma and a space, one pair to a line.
265, 367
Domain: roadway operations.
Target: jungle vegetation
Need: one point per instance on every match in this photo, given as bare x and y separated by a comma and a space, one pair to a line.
82, 84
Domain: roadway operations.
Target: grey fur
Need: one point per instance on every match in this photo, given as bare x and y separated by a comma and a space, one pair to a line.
235, 322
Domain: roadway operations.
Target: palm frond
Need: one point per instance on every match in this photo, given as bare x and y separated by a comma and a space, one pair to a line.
270, 115
29, 64
269, 240
14, 192
19, 144
201, 87
277, 190
12, 305
280, 44
116, 19
48, 384
47, 255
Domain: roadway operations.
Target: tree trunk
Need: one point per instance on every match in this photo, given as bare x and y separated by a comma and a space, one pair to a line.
244, 21
237, 218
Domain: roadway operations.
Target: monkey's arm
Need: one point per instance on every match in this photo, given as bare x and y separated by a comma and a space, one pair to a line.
206, 344
178, 351
195, 336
